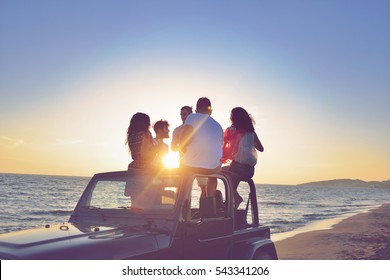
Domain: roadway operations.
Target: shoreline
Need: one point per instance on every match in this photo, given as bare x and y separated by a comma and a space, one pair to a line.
320, 224
361, 236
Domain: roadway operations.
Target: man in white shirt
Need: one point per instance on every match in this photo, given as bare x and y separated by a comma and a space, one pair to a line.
202, 146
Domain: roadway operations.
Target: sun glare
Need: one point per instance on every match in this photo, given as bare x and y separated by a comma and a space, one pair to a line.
171, 160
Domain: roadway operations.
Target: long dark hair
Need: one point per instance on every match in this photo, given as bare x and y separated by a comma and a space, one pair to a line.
241, 120
140, 122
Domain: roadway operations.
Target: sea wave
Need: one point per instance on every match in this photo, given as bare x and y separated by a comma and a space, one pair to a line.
51, 212
278, 203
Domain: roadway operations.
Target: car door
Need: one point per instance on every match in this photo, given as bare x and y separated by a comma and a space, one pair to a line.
207, 234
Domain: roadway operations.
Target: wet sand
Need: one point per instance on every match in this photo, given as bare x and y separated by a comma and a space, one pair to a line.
365, 236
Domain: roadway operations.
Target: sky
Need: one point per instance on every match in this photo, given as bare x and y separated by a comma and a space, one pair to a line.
315, 76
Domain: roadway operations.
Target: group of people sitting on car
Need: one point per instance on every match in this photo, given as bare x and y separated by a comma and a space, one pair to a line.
201, 142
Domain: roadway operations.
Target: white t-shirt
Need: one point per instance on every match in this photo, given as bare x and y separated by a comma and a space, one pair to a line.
205, 147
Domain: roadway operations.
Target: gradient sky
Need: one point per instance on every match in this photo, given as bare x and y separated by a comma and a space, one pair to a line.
315, 75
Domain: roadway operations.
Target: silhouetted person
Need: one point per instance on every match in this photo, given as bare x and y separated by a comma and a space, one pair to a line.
162, 132
140, 141
239, 148
202, 139
176, 135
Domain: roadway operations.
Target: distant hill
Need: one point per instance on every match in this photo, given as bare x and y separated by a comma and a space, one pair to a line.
348, 183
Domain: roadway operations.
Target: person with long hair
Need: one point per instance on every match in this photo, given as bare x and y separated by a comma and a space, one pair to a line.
239, 149
140, 141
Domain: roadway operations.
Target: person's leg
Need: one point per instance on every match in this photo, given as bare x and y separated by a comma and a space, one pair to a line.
235, 178
211, 186
236, 196
202, 183
241, 173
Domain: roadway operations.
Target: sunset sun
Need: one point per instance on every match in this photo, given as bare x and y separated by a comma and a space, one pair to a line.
171, 160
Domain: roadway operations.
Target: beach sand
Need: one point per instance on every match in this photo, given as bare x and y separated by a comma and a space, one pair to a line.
365, 236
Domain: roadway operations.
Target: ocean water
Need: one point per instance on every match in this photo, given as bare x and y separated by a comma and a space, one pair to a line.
29, 201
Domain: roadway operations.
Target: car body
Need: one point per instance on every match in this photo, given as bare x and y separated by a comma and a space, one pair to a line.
149, 214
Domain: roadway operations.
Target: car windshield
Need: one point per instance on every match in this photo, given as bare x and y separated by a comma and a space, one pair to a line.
137, 193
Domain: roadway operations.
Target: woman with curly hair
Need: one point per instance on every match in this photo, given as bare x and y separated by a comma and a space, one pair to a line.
239, 149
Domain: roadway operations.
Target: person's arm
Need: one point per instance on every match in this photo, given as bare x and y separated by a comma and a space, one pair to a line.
226, 147
258, 144
175, 140
185, 137
148, 149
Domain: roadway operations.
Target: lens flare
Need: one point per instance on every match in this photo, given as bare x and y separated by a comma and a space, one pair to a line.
171, 160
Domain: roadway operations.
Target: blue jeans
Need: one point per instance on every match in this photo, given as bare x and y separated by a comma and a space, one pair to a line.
240, 172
